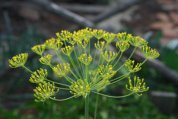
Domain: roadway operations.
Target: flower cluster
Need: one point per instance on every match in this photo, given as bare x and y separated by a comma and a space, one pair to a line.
18, 60
137, 85
87, 63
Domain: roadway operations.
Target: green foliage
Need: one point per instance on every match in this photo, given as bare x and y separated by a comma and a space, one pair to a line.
128, 108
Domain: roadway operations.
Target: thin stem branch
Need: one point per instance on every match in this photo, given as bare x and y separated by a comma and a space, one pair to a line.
118, 59
119, 78
76, 70
63, 88
109, 96
27, 69
57, 83
132, 52
62, 99
78, 63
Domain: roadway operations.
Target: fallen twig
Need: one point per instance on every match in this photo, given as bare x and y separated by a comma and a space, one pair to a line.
54, 8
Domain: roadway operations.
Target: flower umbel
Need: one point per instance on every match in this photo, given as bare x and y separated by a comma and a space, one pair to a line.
89, 61
44, 91
109, 55
18, 60
61, 69
39, 49
137, 85
80, 88
100, 45
53, 43
67, 50
85, 59
122, 45
46, 60
38, 76
150, 53
132, 67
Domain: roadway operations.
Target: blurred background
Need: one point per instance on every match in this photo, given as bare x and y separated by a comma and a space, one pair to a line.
24, 23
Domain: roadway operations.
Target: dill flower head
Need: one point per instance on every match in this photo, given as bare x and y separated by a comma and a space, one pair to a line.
38, 76
90, 60
67, 50
98, 33
131, 66
99, 45
46, 60
44, 91
18, 60
39, 49
53, 43
122, 45
85, 59
62, 69
109, 55
150, 53
137, 85
80, 88
138, 41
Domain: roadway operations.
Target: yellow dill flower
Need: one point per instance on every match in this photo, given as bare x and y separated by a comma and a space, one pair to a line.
39, 49
38, 76
109, 55
62, 69
109, 37
88, 74
105, 71
137, 85
122, 45
82, 38
53, 43
83, 43
46, 60
132, 66
66, 36
18, 60
44, 91
86, 33
67, 50
85, 58
100, 45
98, 33
138, 41
124, 36
80, 88
150, 53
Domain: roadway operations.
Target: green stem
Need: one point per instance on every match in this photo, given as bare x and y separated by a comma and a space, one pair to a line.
109, 96
132, 52
87, 107
143, 62
118, 59
57, 83
63, 88
27, 69
119, 78
76, 70
78, 63
96, 106
62, 99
